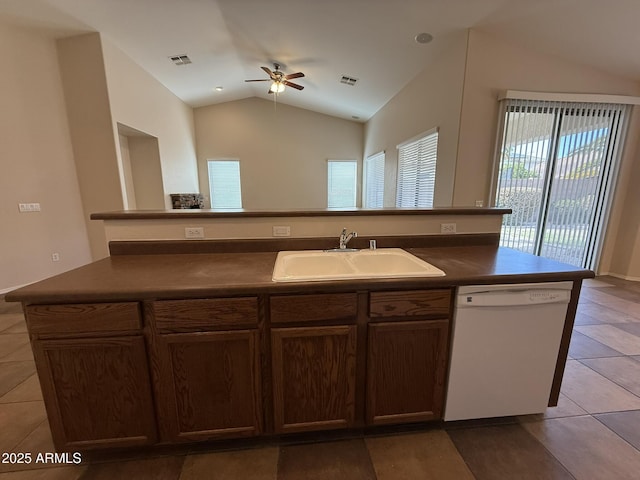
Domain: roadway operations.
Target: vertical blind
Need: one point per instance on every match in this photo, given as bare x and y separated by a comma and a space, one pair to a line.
224, 184
417, 171
556, 169
373, 188
341, 183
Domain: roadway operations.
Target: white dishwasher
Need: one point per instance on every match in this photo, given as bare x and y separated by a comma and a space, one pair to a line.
504, 349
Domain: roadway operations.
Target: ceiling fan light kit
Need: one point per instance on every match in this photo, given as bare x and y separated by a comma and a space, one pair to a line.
279, 80
277, 87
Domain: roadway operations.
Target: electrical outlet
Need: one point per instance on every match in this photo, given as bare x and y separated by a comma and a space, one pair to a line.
194, 232
55, 257
479, 203
28, 207
281, 231
447, 228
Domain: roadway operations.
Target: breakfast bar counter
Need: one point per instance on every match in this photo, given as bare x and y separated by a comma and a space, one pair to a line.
158, 346
140, 277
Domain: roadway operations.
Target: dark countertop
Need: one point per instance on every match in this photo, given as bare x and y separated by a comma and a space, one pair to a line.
325, 212
142, 277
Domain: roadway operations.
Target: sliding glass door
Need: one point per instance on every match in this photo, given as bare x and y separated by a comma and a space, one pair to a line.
556, 169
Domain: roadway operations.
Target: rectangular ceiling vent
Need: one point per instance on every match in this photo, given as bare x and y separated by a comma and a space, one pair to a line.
348, 80
180, 59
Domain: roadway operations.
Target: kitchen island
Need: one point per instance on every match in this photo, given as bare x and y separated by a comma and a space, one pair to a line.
164, 348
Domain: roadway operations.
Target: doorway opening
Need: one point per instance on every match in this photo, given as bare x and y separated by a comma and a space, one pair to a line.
557, 165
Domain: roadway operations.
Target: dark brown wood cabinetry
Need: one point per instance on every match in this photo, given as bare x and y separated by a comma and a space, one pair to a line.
207, 368
406, 368
407, 356
313, 352
92, 364
314, 373
198, 369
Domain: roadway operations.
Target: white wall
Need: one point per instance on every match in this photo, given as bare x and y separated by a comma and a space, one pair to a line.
37, 164
146, 172
283, 150
125, 157
94, 145
139, 101
431, 99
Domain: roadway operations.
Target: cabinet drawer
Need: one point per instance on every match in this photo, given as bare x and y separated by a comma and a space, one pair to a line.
205, 314
79, 318
422, 303
313, 308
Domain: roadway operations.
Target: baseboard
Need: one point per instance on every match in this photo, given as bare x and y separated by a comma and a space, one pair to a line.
617, 275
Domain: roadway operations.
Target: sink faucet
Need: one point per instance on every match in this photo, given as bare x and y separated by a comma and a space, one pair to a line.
345, 238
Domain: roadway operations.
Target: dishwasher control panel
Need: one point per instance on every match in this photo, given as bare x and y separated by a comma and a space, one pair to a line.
546, 296
513, 297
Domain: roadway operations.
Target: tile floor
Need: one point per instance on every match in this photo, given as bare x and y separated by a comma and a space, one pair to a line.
594, 432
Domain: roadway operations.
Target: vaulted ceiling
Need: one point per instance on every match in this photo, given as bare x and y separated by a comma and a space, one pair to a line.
372, 41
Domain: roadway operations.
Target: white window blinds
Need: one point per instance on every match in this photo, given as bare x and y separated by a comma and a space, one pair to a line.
341, 184
224, 184
373, 188
417, 171
556, 168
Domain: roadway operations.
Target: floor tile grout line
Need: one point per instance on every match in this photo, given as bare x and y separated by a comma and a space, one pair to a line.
460, 454
16, 386
616, 433
550, 452
366, 447
598, 341
566, 468
610, 379
13, 449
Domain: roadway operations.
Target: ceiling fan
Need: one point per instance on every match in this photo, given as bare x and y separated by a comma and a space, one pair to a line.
279, 79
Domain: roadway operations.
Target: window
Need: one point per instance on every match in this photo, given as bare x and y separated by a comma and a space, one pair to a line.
373, 181
417, 170
224, 184
341, 184
556, 166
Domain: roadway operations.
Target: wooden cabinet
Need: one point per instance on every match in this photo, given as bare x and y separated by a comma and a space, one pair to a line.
199, 369
213, 384
207, 373
313, 377
92, 364
407, 356
406, 369
313, 366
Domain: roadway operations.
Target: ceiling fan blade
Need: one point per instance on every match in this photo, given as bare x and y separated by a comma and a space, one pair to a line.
269, 72
294, 75
261, 80
293, 85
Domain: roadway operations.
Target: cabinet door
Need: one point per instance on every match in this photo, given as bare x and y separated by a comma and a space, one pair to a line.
314, 370
211, 384
406, 370
96, 391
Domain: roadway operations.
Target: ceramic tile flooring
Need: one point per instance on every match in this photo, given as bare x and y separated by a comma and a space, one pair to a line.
594, 433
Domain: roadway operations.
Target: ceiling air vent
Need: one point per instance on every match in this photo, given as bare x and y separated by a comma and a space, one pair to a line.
180, 59
348, 80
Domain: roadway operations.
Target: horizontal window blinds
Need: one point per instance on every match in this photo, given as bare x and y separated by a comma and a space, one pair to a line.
341, 183
417, 171
224, 184
374, 181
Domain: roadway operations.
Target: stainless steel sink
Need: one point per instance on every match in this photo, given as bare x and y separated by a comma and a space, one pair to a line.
318, 265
